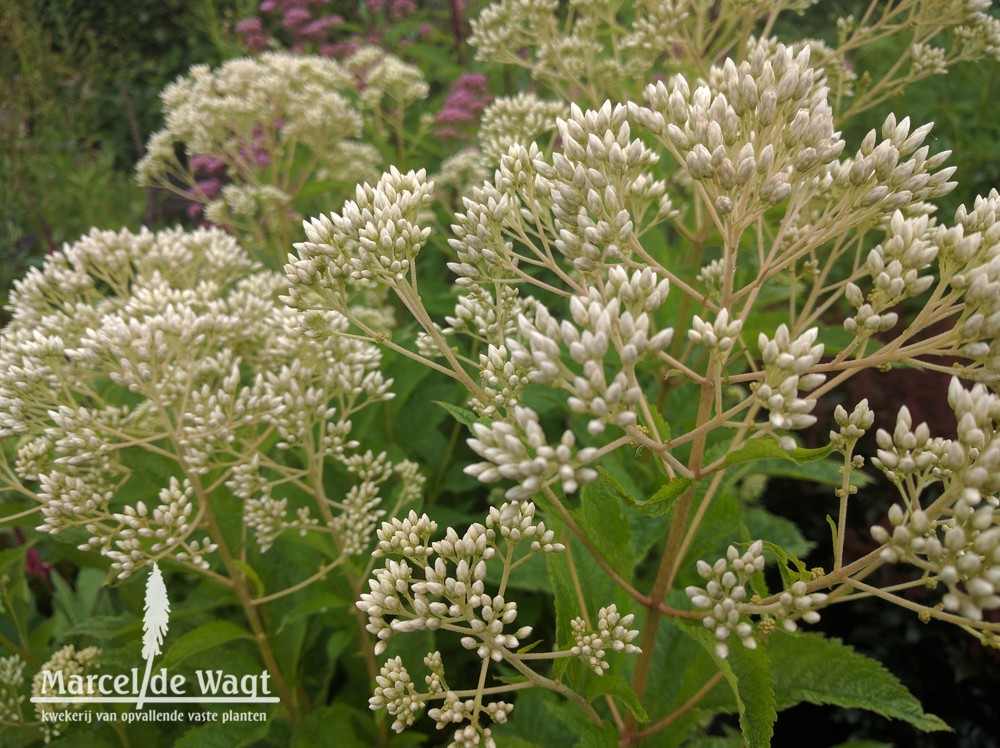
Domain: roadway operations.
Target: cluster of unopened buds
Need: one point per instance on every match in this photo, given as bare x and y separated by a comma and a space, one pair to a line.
441, 585
725, 596
954, 540
612, 633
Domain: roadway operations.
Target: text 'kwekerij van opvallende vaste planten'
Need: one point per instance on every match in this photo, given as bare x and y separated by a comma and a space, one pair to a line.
455, 415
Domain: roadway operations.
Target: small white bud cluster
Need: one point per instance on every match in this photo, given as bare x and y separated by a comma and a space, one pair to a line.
852, 425
167, 530
11, 683
472, 736
787, 365
604, 323
375, 237
894, 266
441, 585
516, 522
725, 594
767, 125
503, 381
395, 692
510, 120
612, 633
960, 545
910, 451
519, 451
69, 661
970, 259
894, 172
719, 336
455, 710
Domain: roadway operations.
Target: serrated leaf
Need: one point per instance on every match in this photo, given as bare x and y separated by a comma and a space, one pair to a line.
788, 576
748, 673
765, 448
810, 667
656, 505
209, 636
618, 687
462, 415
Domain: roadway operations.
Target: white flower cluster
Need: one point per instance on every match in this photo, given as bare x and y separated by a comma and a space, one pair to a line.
176, 343
970, 261
719, 336
852, 425
725, 596
510, 120
894, 266
374, 238
519, 451
612, 633
11, 683
954, 539
766, 125
910, 453
399, 602
441, 585
69, 661
787, 369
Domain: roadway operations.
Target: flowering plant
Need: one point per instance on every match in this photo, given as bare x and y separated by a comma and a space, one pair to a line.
656, 298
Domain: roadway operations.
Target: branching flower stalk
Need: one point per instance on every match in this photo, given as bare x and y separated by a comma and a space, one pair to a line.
148, 379
754, 140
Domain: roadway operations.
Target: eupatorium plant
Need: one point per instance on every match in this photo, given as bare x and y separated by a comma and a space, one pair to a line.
161, 404
654, 299
702, 338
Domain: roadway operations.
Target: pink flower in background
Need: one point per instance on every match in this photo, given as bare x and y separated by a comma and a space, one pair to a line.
464, 104
295, 18
205, 166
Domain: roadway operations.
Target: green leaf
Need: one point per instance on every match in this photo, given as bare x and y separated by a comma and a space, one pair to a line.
338, 720
156, 468
748, 673
663, 500
320, 602
218, 735
657, 505
599, 736
106, 628
600, 515
763, 449
203, 638
251, 575
810, 667
462, 415
788, 576
762, 524
565, 605
618, 687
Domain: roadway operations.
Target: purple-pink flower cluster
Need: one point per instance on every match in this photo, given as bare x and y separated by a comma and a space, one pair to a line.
308, 26
463, 106
210, 171
303, 24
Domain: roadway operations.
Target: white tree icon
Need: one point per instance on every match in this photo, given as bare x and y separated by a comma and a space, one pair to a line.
154, 625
